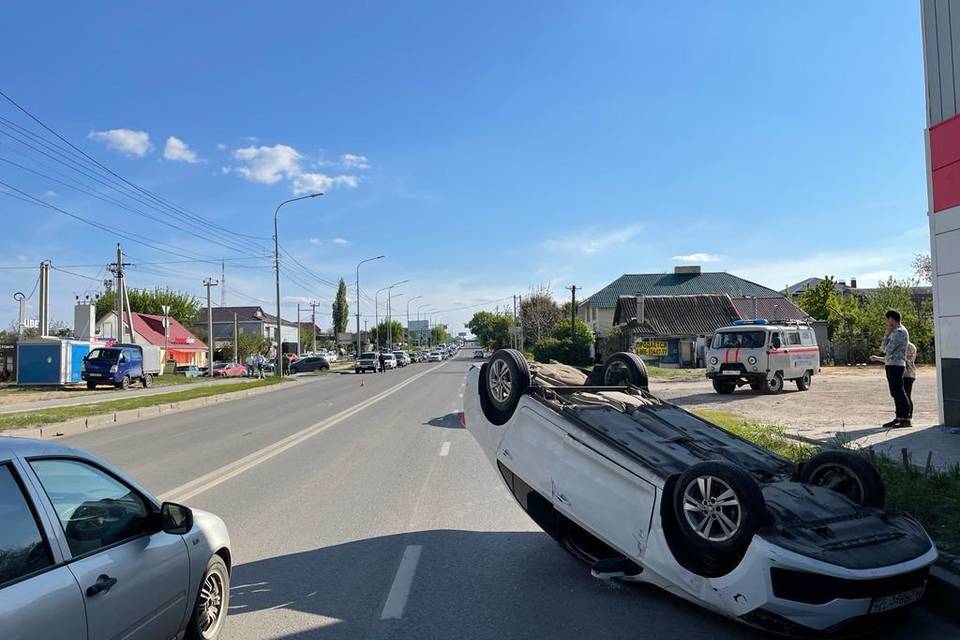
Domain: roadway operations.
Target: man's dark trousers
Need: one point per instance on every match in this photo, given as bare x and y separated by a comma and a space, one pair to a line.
895, 382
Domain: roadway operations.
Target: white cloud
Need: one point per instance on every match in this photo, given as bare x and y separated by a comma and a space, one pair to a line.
340, 241
590, 241
125, 141
269, 165
778, 274
315, 241
221, 146
354, 161
176, 149
49, 194
872, 278
698, 257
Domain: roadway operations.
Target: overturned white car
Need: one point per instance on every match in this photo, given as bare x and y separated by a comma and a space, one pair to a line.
645, 491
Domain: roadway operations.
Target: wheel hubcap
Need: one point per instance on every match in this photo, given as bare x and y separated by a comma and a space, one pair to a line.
840, 479
712, 509
500, 381
616, 375
211, 602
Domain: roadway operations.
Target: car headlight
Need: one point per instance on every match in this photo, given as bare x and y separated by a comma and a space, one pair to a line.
713, 360
113, 369
752, 359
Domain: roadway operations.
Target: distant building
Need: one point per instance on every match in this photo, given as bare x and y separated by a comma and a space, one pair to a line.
250, 320
918, 293
178, 346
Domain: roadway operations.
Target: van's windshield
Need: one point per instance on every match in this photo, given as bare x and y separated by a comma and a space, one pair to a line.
104, 355
740, 340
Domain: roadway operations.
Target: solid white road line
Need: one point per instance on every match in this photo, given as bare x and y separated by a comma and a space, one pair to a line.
402, 583
445, 449
218, 476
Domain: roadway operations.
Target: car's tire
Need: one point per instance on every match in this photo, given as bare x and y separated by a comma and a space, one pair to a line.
214, 593
511, 378
847, 473
718, 506
803, 382
91, 385
773, 385
147, 380
723, 387
125, 382
625, 367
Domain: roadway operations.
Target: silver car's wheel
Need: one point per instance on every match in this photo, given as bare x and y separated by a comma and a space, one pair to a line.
712, 509
500, 381
211, 602
213, 598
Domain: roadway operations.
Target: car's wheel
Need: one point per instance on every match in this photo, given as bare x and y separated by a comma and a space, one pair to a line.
125, 382
803, 382
210, 608
625, 368
848, 473
724, 387
774, 385
503, 380
718, 507
91, 385
147, 380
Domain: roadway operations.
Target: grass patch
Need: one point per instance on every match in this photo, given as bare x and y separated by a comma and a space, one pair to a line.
931, 496
35, 418
677, 374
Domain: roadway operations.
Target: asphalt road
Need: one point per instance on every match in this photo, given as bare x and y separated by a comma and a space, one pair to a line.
368, 512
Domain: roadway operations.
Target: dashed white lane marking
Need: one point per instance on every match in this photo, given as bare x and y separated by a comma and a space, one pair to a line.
209, 480
400, 590
445, 449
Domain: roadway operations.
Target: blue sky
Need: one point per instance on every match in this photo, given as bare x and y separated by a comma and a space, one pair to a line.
484, 148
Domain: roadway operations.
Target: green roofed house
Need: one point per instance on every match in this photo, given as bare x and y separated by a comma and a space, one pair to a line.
682, 308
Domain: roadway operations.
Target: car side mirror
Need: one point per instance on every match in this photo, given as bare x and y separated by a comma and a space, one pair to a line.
776, 342
175, 518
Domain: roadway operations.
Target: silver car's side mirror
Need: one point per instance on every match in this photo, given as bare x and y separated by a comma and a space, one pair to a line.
175, 518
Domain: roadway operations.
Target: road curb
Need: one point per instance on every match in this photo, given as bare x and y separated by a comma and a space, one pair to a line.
75, 426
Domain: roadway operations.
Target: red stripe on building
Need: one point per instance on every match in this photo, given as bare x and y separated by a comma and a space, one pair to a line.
945, 163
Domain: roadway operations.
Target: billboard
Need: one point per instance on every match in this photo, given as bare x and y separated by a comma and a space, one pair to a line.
419, 328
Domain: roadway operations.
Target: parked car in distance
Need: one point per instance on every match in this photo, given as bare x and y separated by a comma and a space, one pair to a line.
228, 369
403, 358
310, 363
479, 354
389, 360
119, 366
331, 355
85, 552
368, 361
188, 370
435, 356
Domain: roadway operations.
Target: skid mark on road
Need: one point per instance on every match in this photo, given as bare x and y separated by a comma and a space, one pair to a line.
218, 476
396, 602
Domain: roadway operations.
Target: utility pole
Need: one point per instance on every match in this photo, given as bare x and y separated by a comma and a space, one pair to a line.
313, 321
120, 292
44, 298
520, 322
236, 334
513, 336
223, 286
299, 331
21, 312
209, 282
166, 333
573, 314
358, 307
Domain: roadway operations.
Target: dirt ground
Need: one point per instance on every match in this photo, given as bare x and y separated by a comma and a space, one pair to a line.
840, 399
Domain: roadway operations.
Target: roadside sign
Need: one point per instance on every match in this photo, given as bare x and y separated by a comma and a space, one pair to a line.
515, 331
658, 348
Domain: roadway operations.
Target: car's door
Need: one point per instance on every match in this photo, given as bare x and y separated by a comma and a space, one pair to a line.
778, 358
795, 358
39, 597
134, 577
603, 497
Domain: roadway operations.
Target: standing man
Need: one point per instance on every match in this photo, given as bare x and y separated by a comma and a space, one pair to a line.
910, 375
260, 362
894, 358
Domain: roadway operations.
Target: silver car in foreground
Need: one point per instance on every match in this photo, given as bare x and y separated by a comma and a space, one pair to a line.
87, 554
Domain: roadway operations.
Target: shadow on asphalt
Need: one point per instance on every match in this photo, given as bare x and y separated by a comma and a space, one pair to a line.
468, 585
449, 421
697, 399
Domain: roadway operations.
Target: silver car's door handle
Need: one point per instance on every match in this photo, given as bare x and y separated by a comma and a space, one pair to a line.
506, 454
102, 585
562, 499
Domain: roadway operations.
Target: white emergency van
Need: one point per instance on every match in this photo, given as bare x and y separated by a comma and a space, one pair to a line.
762, 355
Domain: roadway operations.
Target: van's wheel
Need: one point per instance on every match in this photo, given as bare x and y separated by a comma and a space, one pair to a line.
91, 385
721, 386
718, 507
774, 385
125, 382
210, 609
503, 380
848, 473
625, 368
803, 382
147, 380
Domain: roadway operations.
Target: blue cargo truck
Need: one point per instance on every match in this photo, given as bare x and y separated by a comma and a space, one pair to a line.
120, 366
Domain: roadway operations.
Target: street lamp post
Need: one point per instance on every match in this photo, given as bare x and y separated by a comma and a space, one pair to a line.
420, 333
389, 310
409, 300
358, 300
276, 267
166, 332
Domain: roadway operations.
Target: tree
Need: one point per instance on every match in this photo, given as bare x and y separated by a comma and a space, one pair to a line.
922, 268
816, 301
561, 347
306, 337
252, 343
341, 309
492, 328
439, 334
184, 307
539, 313
382, 332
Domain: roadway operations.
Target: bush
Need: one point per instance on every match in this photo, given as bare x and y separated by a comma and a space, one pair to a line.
562, 351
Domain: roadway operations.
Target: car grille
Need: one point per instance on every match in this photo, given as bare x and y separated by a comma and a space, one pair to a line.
812, 588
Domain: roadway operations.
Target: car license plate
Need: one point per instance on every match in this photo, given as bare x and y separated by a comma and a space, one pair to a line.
730, 373
886, 603
93, 375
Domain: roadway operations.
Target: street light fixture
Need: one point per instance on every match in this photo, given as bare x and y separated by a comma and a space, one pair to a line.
358, 300
276, 267
390, 310
409, 300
